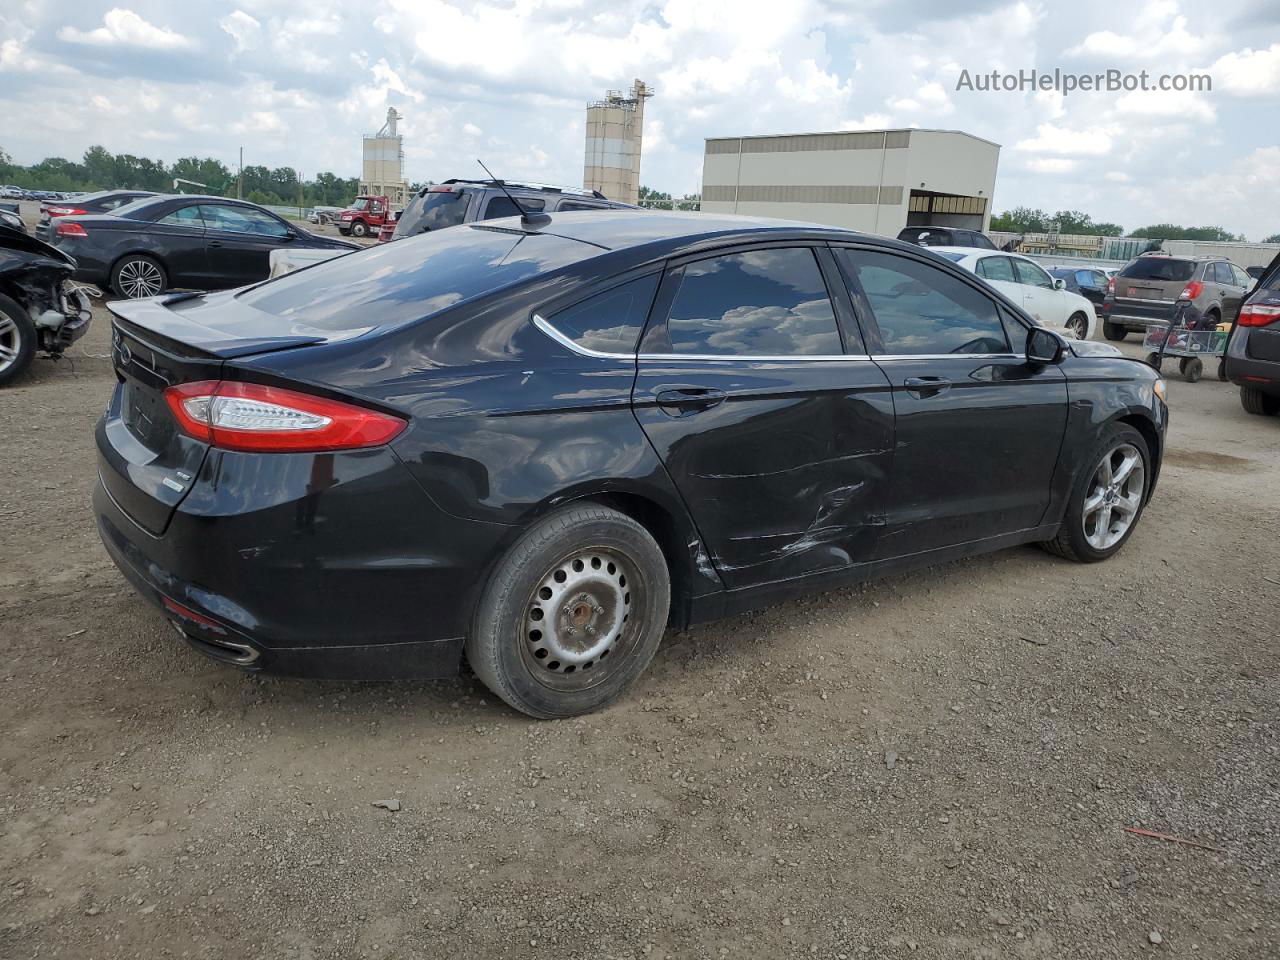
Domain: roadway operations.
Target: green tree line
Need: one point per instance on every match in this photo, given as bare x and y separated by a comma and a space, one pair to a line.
102, 170
1029, 220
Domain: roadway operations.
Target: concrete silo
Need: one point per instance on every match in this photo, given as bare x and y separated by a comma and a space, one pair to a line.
614, 128
383, 171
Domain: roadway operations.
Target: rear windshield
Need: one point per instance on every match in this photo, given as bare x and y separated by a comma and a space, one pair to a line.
436, 211
939, 238
396, 283
1159, 268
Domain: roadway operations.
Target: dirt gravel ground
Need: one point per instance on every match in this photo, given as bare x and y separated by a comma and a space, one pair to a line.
935, 765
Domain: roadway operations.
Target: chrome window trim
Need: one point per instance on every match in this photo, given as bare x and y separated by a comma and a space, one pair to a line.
559, 337
950, 356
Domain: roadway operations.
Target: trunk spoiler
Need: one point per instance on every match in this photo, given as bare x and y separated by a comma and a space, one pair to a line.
220, 327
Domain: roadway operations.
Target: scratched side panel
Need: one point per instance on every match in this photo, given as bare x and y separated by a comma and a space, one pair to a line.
786, 476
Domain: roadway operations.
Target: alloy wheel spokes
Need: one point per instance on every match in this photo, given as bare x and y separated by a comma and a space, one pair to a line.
9, 342
1114, 498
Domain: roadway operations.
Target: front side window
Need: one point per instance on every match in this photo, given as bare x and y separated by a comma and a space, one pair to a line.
1028, 273
242, 220
770, 303
921, 310
996, 268
609, 322
503, 207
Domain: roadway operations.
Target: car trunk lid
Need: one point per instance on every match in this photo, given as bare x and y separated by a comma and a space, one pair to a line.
148, 463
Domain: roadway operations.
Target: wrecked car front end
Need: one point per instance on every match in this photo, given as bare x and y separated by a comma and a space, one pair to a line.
41, 310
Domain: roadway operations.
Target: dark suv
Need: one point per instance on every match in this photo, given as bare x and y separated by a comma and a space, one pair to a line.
929, 236
455, 202
1253, 354
1157, 288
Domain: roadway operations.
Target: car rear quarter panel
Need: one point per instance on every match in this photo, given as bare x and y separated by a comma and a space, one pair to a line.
505, 423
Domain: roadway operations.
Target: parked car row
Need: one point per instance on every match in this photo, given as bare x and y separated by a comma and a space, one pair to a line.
10, 192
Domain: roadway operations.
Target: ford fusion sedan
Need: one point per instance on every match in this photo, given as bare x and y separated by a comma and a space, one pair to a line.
536, 444
154, 244
1046, 299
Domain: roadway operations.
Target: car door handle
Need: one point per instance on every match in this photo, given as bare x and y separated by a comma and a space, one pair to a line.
215, 243
683, 401
927, 386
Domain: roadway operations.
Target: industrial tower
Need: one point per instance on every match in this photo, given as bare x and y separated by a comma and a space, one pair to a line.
614, 128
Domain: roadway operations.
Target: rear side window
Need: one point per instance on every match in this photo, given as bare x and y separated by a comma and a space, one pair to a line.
503, 207
397, 283
980, 240
1241, 278
1159, 268
609, 322
921, 310
768, 303
578, 205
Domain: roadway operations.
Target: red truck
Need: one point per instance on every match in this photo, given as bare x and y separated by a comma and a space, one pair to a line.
365, 216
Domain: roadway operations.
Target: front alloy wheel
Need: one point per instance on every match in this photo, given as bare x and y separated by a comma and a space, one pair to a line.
1115, 497
1079, 325
1108, 497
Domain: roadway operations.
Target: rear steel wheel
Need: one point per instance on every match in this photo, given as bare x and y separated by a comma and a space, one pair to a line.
1079, 325
572, 614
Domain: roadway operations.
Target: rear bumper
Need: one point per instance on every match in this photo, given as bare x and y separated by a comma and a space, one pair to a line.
365, 580
1246, 371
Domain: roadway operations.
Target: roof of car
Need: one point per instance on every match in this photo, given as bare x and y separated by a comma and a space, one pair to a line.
620, 229
975, 251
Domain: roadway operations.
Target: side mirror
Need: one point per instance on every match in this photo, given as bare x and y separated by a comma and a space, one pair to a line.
1044, 346
1059, 283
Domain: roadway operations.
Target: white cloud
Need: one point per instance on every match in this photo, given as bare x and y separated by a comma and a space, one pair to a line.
1051, 164
1153, 104
1090, 141
1117, 176
1249, 73
1156, 32
124, 28
243, 29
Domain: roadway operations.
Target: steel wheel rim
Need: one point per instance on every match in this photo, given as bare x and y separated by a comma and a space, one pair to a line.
583, 619
1114, 497
140, 278
10, 342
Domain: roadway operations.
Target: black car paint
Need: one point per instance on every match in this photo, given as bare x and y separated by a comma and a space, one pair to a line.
192, 256
1094, 293
1253, 353
370, 563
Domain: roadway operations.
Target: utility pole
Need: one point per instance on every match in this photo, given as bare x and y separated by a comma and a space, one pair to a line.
240, 177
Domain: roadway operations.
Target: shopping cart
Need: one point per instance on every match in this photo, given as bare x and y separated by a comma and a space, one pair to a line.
1189, 345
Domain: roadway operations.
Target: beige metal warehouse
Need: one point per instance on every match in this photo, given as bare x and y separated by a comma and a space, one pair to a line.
877, 181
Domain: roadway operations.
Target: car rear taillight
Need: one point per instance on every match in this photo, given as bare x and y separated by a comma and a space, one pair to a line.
1191, 290
64, 211
256, 418
1111, 287
65, 229
1256, 315
441, 190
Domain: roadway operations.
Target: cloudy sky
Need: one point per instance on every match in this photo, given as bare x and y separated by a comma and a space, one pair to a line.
297, 83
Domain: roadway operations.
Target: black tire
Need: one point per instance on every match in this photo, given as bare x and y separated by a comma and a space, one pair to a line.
515, 642
1079, 325
17, 340
345, 233
359, 229
1154, 360
1222, 369
136, 276
1114, 331
1071, 541
1258, 403
1191, 369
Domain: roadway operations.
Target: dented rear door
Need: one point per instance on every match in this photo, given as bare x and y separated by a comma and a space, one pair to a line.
778, 440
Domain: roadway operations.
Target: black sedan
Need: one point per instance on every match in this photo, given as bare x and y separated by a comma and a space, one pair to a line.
539, 443
1087, 282
205, 243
